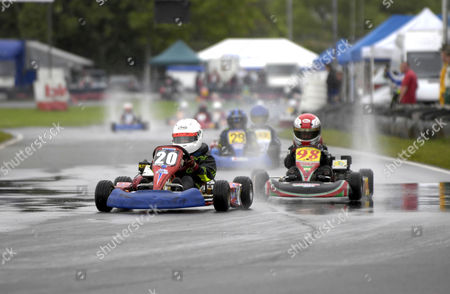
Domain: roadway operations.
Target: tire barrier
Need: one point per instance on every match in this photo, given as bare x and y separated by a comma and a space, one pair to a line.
404, 121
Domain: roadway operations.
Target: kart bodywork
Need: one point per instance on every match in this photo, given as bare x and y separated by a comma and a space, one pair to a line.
156, 187
343, 183
237, 157
129, 127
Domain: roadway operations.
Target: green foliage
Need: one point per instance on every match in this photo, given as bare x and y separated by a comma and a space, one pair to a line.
4, 136
116, 30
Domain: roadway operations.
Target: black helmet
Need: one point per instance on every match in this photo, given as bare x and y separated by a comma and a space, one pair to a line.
237, 119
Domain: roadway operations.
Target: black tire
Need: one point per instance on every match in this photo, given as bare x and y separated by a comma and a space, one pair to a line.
221, 195
113, 127
369, 174
260, 177
355, 182
123, 179
246, 191
348, 158
102, 192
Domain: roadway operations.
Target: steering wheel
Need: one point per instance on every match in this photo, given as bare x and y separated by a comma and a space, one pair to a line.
186, 154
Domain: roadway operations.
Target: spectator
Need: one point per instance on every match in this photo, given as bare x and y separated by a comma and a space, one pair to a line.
409, 85
332, 84
444, 90
198, 83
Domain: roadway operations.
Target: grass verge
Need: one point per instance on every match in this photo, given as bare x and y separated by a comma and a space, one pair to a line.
74, 116
433, 152
4, 136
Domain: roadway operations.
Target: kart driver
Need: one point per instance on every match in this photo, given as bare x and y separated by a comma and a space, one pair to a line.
307, 133
201, 167
237, 132
128, 117
259, 115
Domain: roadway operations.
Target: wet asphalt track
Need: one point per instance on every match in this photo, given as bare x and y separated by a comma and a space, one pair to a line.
400, 243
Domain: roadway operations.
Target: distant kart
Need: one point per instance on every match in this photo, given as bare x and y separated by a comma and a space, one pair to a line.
235, 157
129, 127
159, 188
342, 183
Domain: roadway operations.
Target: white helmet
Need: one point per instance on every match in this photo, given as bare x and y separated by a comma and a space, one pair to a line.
188, 134
128, 106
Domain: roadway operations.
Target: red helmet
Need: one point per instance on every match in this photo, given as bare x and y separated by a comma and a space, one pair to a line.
307, 130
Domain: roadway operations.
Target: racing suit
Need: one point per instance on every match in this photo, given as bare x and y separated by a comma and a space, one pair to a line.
128, 118
274, 146
225, 147
200, 169
325, 162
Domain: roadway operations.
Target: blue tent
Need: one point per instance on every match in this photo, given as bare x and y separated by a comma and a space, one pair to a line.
15, 50
393, 23
328, 55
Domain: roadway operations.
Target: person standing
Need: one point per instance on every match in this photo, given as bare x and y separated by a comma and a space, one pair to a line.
409, 85
332, 85
444, 89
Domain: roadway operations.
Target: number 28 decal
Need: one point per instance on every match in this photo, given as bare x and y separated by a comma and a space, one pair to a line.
237, 137
165, 157
307, 154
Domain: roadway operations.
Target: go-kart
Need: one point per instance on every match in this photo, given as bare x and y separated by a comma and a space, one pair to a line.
264, 140
133, 126
316, 181
236, 156
156, 186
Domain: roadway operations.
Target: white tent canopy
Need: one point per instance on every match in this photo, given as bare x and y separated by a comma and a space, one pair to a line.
256, 53
426, 20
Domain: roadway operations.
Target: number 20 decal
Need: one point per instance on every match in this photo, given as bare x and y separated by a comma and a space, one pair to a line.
164, 157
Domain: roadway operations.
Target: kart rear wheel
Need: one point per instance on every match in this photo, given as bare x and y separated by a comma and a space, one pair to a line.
355, 182
221, 195
102, 192
113, 127
369, 174
123, 179
260, 177
246, 191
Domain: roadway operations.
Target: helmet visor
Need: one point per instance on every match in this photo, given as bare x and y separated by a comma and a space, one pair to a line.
306, 134
259, 120
183, 138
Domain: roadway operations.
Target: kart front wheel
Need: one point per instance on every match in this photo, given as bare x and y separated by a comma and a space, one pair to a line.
221, 195
260, 177
355, 182
102, 192
246, 191
369, 174
122, 179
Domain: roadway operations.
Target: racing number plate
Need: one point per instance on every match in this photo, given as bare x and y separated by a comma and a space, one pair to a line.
236, 137
307, 154
166, 157
263, 135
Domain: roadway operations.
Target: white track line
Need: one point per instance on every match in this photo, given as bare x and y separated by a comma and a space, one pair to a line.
14, 140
